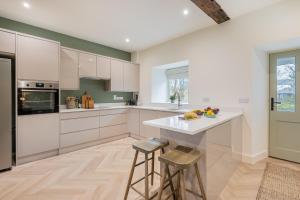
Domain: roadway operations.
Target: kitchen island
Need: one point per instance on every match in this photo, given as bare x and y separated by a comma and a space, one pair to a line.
218, 139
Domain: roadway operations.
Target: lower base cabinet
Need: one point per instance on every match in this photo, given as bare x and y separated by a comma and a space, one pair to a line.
91, 126
148, 131
37, 134
75, 138
111, 131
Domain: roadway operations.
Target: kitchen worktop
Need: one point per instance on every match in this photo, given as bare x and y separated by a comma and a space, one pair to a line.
192, 127
110, 107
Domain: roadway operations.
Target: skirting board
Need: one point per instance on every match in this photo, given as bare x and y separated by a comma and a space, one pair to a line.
36, 157
252, 159
137, 137
90, 144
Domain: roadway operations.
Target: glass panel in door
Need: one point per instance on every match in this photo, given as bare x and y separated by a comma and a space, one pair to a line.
286, 84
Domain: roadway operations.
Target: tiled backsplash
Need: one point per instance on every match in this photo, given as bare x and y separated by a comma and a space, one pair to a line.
95, 88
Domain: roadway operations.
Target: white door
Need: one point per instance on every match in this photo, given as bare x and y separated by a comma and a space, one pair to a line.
285, 105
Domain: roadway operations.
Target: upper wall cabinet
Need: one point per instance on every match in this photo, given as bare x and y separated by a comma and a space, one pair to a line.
103, 67
124, 76
131, 77
7, 42
69, 71
87, 65
117, 77
37, 59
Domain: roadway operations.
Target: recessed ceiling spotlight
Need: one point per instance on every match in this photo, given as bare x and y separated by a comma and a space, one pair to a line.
185, 12
26, 4
127, 40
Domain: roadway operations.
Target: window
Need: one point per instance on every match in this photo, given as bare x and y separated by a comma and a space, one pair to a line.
177, 81
286, 84
168, 80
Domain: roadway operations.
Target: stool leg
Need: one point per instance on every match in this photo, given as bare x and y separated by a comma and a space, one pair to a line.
146, 178
162, 182
182, 185
131, 174
178, 186
152, 168
200, 181
169, 176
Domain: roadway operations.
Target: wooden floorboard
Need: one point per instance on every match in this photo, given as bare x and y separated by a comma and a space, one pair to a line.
101, 173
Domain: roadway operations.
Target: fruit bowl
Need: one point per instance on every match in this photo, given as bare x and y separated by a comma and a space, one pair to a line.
211, 112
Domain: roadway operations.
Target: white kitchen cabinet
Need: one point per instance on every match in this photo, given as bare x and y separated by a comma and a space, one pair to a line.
37, 134
114, 111
79, 124
134, 122
37, 59
117, 77
111, 131
131, 77
71, 139
87, 65
103, 67
69, 70
7, 42
112, 120
148, 131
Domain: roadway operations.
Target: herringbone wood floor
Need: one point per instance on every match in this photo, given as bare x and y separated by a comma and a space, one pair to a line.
100, 173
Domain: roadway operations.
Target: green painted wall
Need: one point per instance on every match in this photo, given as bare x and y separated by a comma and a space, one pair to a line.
94, 87
65, 40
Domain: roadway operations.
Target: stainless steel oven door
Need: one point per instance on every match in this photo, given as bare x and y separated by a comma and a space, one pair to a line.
37, 101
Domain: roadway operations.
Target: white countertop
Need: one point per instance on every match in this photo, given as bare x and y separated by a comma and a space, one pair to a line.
192, 127
99, 108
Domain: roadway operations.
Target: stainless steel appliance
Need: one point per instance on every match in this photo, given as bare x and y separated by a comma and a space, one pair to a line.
37, 97
7, 112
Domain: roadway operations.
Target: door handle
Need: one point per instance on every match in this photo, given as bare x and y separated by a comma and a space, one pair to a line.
273, 102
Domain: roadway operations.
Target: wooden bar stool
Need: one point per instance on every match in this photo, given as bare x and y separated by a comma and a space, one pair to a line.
181, 158
147, 147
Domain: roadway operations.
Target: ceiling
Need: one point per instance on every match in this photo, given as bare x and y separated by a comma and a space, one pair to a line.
110, 22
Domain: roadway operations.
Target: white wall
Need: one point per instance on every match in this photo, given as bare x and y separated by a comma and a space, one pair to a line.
226, 64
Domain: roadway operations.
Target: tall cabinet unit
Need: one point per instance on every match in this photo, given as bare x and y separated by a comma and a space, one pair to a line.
37, 59
69, 70
38, 136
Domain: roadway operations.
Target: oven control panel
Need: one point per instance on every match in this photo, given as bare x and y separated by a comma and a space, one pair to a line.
38, 85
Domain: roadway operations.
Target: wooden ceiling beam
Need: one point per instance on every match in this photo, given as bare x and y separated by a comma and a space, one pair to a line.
213, 10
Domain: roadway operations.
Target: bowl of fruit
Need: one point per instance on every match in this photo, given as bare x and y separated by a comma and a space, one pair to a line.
190, 116
211, 112
198, 112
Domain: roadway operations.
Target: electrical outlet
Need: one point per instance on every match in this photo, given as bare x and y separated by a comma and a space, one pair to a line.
206, 100
244, 100
116, 98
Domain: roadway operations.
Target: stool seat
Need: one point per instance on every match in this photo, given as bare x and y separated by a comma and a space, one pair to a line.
150, 145
181, 157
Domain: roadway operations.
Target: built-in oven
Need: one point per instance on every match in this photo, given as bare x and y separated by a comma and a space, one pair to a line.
38, 97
